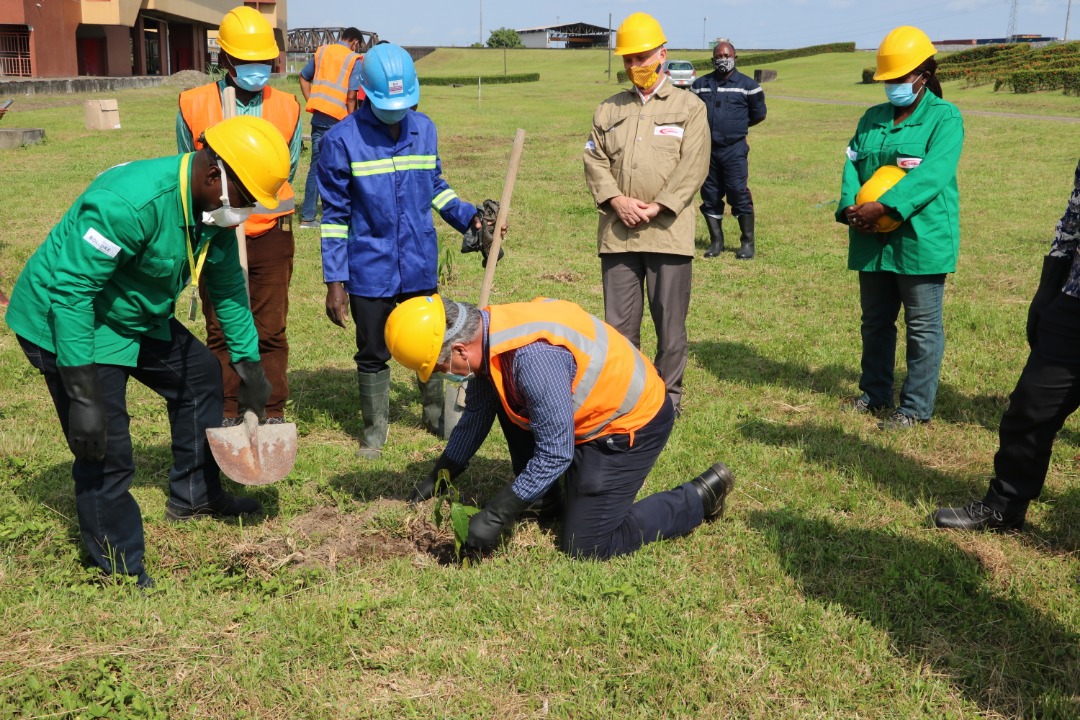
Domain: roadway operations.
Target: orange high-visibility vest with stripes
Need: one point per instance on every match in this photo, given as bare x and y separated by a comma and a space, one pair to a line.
330, 86
201, 108
616, 390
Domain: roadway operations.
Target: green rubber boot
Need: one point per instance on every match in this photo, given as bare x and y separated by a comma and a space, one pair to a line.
375, 411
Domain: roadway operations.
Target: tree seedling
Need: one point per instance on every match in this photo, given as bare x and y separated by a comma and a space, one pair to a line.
445, 492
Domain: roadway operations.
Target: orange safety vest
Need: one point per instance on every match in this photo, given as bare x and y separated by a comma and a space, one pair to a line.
616, 390
330, 86
201, 108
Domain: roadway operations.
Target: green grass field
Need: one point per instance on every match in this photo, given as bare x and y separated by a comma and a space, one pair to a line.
821, 594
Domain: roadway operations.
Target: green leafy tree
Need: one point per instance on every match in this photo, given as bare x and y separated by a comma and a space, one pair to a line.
504, 38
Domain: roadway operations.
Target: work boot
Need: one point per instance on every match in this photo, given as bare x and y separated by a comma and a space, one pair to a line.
375, 412
980, 516
224, 505
716, 235
713, 487
746, 248
431, 401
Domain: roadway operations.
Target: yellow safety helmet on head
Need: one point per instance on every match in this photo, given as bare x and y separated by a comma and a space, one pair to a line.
902, 50
638, 33
880, 183
255, 150
246, 35
414, 334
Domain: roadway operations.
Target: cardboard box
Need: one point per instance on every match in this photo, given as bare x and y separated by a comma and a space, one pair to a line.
102, 115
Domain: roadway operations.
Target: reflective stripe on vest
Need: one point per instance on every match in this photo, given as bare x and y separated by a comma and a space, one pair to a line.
615, 390
330, 86
399, 163
201, 108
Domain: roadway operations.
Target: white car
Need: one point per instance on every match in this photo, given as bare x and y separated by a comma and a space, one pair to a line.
680, 72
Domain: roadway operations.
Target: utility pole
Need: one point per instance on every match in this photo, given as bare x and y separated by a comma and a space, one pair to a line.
481, 22
609, 47
703, 32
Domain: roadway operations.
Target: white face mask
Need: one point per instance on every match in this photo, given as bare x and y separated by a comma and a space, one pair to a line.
226, 215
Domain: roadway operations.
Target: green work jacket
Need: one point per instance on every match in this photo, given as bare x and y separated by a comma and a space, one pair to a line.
111, 270
927, 146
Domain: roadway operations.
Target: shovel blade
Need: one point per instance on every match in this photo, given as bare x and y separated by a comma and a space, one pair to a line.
253, 454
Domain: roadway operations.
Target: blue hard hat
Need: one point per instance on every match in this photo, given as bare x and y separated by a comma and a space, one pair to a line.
388, 77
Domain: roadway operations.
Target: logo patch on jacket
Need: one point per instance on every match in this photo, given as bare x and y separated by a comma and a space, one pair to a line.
672, 130
908, 163
101, 243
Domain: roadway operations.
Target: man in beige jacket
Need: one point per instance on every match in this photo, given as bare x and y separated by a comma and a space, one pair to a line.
646, 158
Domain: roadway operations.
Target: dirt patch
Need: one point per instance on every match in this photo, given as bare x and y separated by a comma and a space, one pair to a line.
326, 537
563, 277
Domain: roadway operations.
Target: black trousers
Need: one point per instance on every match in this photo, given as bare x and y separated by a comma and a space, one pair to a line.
601, 519
1046, 394
370, 316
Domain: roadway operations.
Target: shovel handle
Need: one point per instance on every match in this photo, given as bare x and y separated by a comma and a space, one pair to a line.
500, 220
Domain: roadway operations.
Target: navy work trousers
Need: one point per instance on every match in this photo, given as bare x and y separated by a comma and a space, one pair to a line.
729, 171
601, 519
184, 372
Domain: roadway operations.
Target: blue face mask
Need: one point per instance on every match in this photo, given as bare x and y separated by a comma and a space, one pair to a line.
252, 76
902, 94
389, 117
454, 377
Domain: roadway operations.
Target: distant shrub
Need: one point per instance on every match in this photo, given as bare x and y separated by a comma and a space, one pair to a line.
484, 79
771, 57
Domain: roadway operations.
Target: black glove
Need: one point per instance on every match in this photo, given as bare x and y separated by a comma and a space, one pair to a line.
86, 416
254, 388
486, 526
480, 239
1055, 271
425, 489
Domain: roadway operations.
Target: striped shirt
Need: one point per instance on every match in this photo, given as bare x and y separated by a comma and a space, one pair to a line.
538, 378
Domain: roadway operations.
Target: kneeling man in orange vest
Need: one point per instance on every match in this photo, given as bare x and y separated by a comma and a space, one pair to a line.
575, 400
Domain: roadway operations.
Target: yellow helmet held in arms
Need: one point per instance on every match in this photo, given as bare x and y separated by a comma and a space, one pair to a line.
414, 334
256, 152
902, 50
246, 35
638, 33
880, 183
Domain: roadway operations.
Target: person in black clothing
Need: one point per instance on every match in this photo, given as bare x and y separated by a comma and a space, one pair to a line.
735, 104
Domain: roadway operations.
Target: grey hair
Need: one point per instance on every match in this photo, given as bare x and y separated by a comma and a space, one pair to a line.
462, 326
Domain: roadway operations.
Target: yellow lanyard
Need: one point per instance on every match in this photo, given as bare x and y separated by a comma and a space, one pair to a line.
196, 267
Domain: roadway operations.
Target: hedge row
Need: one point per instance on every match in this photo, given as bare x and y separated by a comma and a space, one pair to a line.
483, 79
1027, 81
759, 59
983, 53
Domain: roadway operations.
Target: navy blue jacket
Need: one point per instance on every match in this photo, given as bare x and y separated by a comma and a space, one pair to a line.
733, 105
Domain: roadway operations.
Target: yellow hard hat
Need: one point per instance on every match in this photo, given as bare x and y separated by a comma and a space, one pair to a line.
879, 183
414, 334
246, 35
255, 150
902, 50
638, 33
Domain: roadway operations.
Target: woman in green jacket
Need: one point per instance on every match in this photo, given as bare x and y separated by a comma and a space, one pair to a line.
922, 135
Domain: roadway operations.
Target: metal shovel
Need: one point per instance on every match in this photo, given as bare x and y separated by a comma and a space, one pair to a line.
253, 454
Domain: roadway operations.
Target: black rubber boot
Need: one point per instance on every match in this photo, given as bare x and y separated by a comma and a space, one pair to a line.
746, 248
716, 235
375, 412
713, 487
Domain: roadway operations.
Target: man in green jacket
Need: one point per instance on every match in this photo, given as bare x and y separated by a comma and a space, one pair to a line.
94, 307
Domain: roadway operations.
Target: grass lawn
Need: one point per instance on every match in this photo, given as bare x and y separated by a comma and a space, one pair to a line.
821, 594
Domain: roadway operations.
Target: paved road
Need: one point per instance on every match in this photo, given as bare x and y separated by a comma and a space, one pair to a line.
985, 113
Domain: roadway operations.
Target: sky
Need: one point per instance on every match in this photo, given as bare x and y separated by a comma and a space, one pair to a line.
750, 24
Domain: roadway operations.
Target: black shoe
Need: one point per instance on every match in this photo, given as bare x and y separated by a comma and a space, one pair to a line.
900, 421
713, 487
232, 422
225, 505
978, 516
